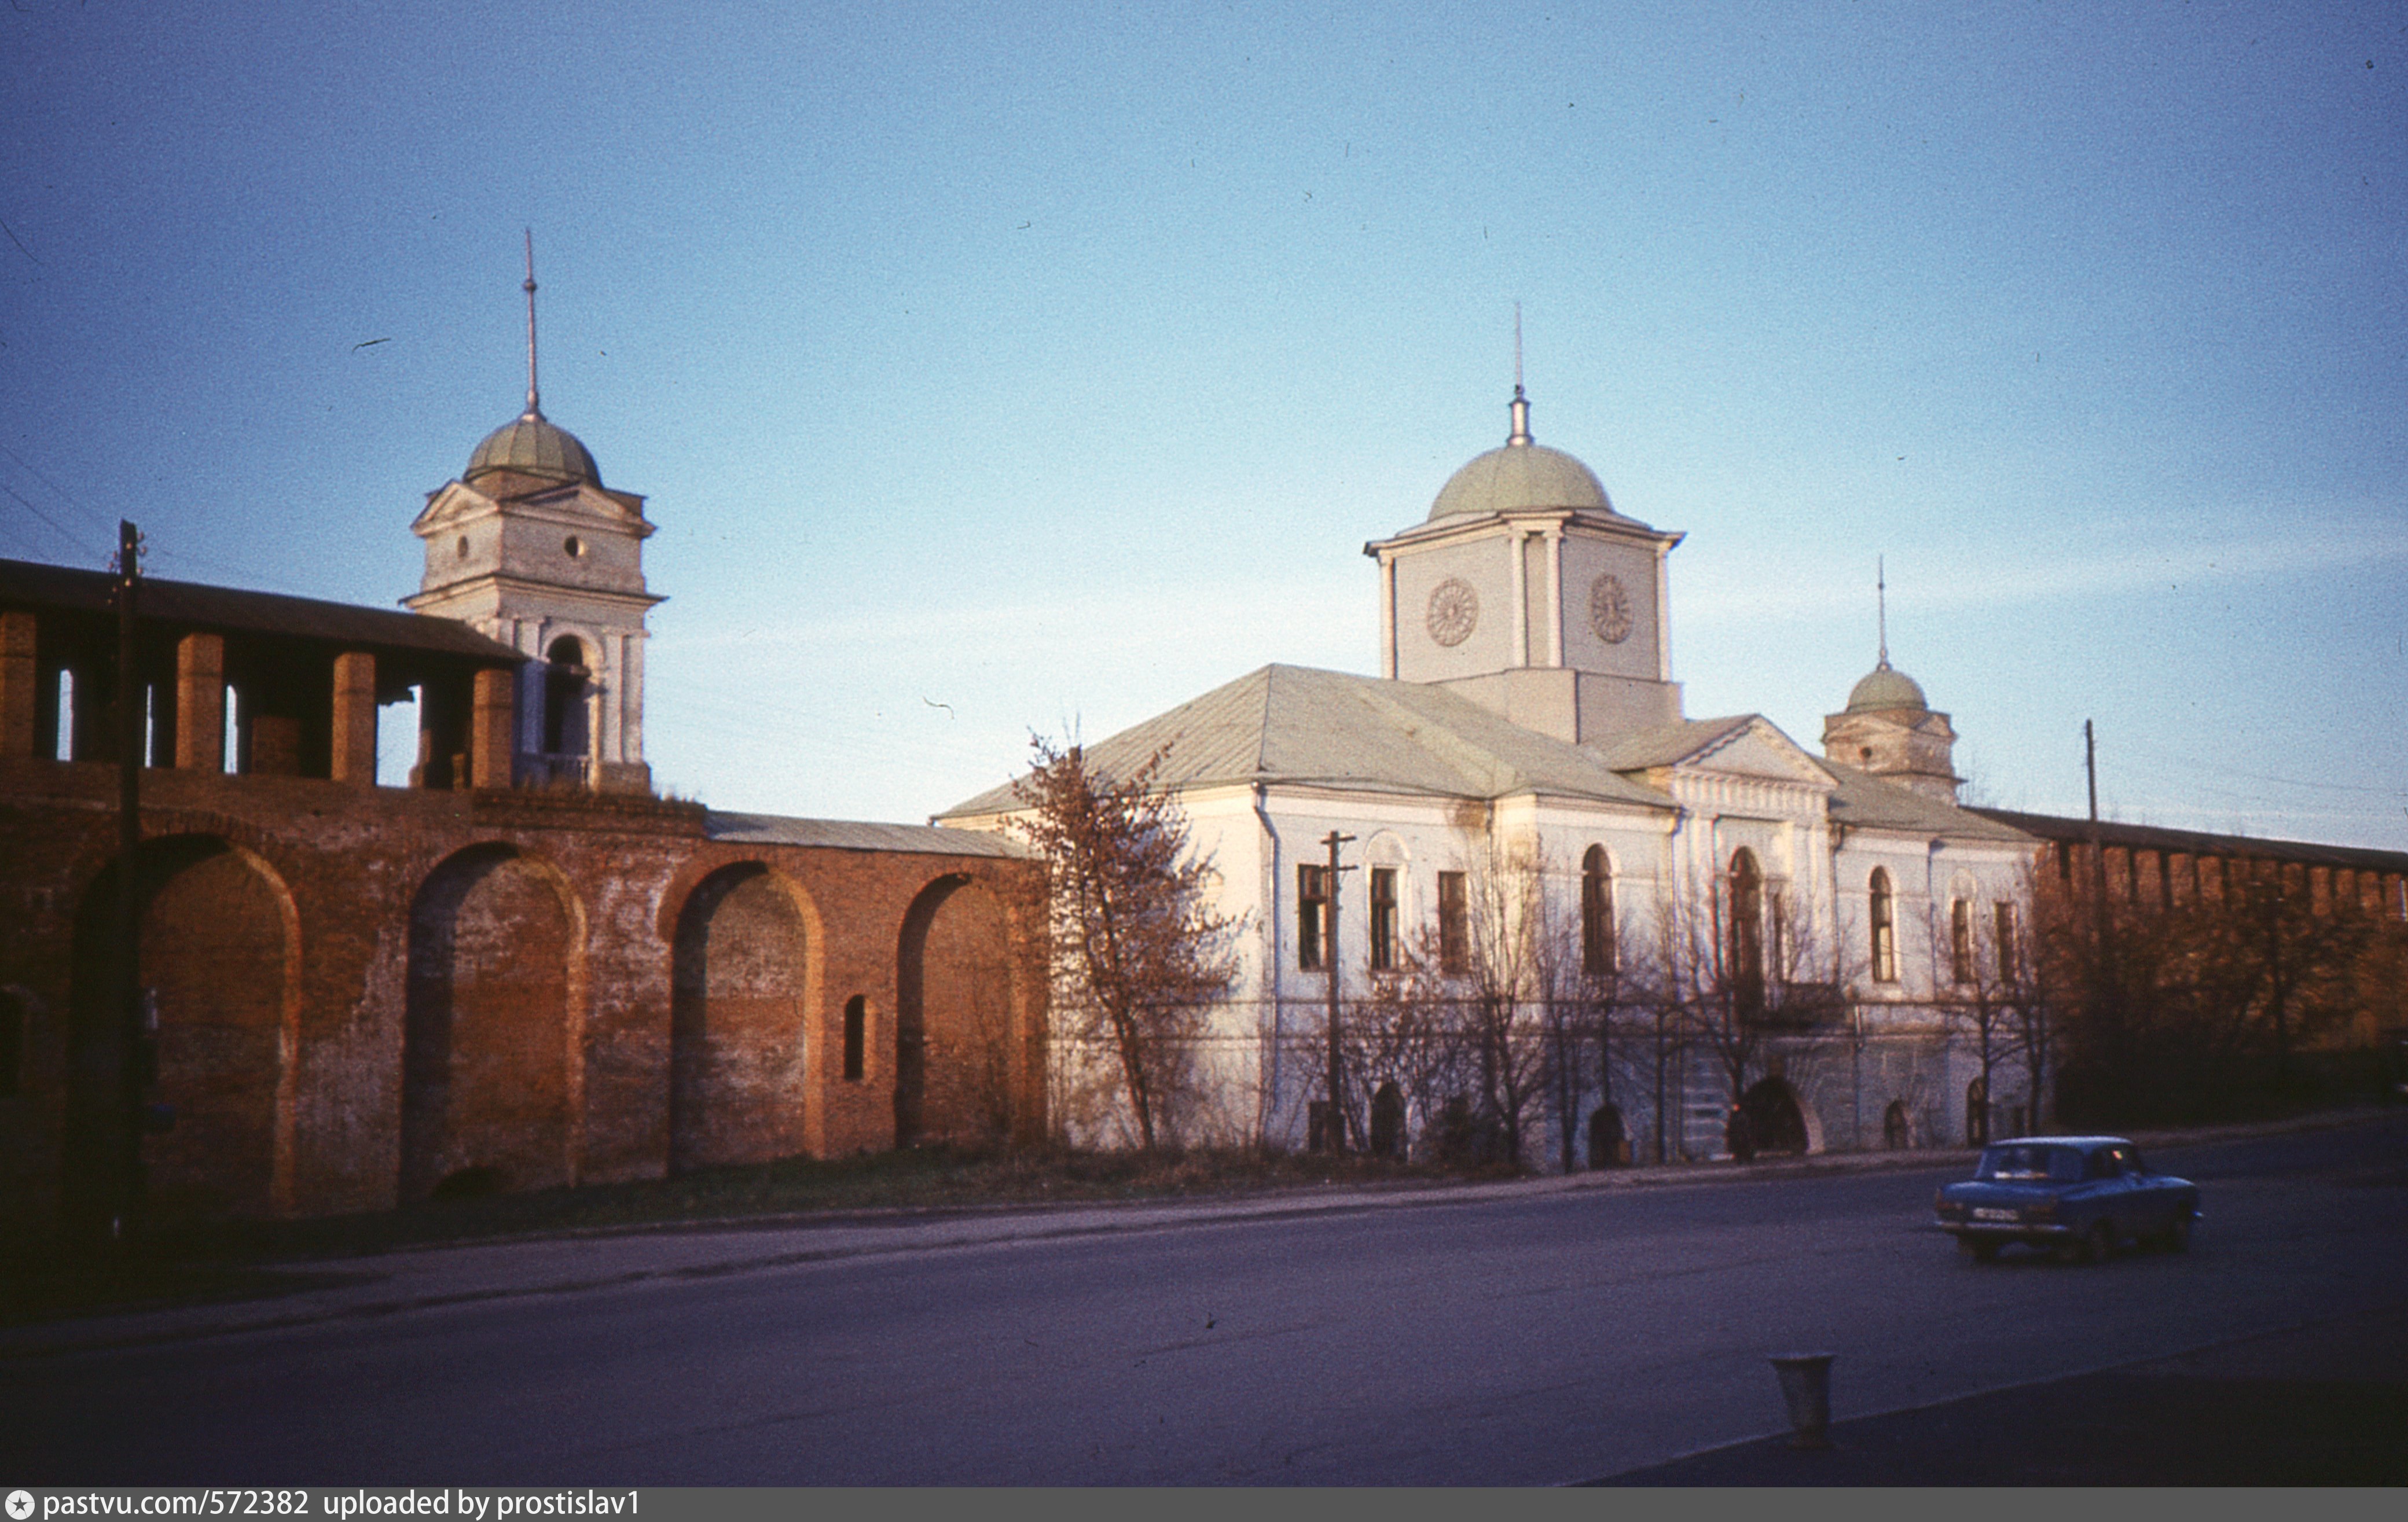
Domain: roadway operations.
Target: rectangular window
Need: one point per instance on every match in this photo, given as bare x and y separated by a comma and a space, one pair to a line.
1312, 916
1383, 919
1454, 924
857, 1038
2003, 917
1961, 941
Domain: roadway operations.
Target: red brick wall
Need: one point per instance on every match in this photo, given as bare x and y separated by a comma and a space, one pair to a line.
300, 949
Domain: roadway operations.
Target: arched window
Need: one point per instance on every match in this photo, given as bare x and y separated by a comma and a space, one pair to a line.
1961, 941
2003, 933
564, 698
1747, 932
1596, 914
1977, 1113
1885, 928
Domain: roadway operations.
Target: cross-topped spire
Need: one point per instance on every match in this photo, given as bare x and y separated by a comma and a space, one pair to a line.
1521, 409
534, 406
1880, 605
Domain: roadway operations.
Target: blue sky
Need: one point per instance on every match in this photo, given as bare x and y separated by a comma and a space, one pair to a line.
997, 369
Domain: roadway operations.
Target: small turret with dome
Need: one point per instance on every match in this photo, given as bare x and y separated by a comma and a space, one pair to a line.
1888, 727
529, 547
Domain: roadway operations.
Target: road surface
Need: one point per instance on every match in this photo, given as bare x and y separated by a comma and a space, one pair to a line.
1535, 1339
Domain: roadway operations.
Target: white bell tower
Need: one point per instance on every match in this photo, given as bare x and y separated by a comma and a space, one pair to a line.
530, 548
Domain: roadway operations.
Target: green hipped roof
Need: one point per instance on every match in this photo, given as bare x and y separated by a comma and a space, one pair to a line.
1298, 726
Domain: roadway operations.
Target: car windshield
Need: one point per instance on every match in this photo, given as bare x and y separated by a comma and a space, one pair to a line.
2017, 1164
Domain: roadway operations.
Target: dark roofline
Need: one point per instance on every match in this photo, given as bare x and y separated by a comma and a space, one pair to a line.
2149, 837
196, 605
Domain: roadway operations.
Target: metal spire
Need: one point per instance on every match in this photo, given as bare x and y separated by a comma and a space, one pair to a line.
534, 406
1881, 602
1521, 409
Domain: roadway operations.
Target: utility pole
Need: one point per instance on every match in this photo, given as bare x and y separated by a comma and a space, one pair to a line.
126, 1180
1334, 1131
2103, 999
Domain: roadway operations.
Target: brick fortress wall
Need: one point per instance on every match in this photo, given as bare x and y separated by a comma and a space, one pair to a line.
365, 991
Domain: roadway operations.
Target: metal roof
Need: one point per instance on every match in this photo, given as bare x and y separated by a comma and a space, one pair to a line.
1297, 726
1668, 745
1867, 801
30, 584
2196, 842
857, 836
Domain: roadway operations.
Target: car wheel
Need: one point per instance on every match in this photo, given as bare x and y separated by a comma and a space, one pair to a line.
2177, 1237
2099, 1244
1979, 1252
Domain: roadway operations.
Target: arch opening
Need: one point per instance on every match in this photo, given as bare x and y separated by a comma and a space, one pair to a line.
956, 1059
1773, 1115
486, 1083
739, 1048
217, 946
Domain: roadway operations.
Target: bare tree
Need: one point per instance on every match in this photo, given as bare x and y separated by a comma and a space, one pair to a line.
1138, 956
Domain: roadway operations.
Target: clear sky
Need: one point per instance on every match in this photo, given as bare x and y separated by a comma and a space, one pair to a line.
992, 369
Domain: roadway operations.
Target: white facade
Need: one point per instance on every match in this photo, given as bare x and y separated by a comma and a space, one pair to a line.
1527, 715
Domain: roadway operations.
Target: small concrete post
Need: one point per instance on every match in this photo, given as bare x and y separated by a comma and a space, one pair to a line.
19, 671
1806, 1387
354, 756
200, 703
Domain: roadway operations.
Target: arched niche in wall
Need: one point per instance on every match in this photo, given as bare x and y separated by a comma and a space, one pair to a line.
220, 946
741, 992
955, 1062
488, 1087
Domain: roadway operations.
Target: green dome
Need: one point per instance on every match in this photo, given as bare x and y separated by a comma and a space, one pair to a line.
533, 445
1886, 687
1521, 475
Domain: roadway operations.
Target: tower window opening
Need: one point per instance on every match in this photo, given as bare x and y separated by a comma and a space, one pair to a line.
575, 547
65, 750
564, 698
464, 546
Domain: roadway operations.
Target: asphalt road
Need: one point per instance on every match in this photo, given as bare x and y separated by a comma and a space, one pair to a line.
1534, 1340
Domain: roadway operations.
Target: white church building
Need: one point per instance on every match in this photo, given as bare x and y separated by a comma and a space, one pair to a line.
1526, 724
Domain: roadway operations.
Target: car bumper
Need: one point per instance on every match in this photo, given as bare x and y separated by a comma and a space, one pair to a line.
2007, 1230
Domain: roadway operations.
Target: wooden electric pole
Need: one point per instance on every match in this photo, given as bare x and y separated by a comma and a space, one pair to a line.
1333, 1131
132, 1040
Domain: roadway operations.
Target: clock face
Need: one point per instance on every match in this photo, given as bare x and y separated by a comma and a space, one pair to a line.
1609, 609
1453, 611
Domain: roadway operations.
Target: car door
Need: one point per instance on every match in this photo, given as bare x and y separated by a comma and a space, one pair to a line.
2108, 1191
2152, 1197
2134, 1200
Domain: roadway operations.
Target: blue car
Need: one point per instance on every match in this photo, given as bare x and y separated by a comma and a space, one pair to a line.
2080, 1197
